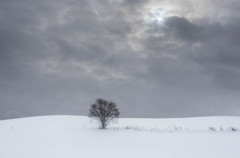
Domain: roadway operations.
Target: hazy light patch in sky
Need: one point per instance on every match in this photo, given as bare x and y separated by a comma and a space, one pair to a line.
156, 16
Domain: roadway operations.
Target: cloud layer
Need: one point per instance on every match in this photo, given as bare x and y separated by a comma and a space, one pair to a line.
57, 57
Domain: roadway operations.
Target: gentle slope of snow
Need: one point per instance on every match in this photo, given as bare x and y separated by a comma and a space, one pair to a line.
76, 136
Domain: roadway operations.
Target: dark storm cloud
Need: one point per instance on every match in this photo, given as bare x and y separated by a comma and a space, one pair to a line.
214, 47
182, 28
56, 57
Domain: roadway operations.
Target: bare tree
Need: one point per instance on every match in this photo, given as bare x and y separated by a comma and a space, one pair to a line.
104, 111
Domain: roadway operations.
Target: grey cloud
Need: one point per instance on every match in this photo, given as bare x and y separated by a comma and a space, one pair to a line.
183, 29
214, 47
57, 57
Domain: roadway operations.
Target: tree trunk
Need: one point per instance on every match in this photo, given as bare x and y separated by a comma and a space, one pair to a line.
103, 125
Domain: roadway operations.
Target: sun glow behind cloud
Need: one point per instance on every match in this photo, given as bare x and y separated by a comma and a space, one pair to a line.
156, 12
157, 15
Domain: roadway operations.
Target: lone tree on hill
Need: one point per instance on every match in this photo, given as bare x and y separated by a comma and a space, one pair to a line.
104, 111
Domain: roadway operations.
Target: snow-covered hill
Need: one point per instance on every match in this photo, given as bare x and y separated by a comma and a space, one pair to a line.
78, 137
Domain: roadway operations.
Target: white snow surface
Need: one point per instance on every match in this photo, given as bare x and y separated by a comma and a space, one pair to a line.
79, 137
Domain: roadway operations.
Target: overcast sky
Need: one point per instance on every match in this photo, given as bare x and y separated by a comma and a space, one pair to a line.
159, 58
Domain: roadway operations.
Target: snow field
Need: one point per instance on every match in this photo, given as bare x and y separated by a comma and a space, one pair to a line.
76, 136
